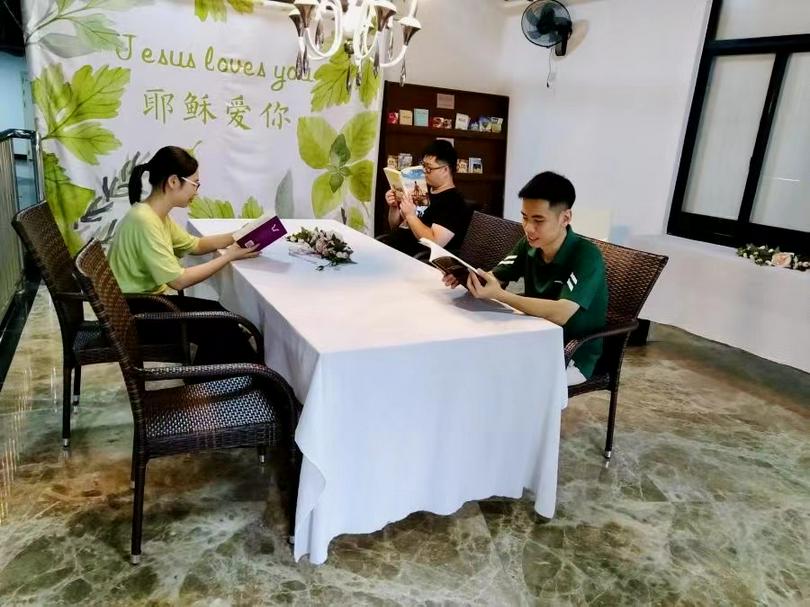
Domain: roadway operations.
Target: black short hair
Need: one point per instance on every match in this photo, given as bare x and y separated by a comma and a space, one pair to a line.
443, 151
552, 187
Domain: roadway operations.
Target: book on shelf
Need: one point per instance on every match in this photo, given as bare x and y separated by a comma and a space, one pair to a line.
462, 122
461, 166
410, 179
420, 117
260, 232
393, 117
392, 162
403, 160
484, 124
406, 117
496, 124
448, 263
437, 122
475, 165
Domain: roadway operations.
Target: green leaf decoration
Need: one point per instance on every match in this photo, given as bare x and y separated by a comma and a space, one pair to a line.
88, 141
370, 84
285, 206
51, 93
209, 208
216, 8
324, 198
66, 200
330, 88
65, 46
315, 137
362, 174
339, 152
356, 220
241, 6
95, 95
67, 107
335, 181
97, 32
61, 5
251, 209
360, 133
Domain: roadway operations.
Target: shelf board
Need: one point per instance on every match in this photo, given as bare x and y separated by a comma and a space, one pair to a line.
478, 177
407, 129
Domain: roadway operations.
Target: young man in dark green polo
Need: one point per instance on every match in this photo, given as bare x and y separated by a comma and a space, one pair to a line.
564, 273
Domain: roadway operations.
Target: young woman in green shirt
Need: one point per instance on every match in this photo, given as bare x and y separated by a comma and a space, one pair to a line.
147, 247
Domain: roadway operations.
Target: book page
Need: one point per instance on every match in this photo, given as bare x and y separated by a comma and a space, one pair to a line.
251, 225
436, 251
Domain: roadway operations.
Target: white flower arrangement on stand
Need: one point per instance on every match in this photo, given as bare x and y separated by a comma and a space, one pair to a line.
327, 245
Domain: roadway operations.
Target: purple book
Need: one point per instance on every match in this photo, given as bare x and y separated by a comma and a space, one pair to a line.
262, 231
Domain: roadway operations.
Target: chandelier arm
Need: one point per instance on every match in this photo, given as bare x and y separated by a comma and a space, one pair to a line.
400, 56
362, 47
338, 38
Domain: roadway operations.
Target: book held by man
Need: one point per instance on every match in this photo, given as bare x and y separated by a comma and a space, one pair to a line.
448, 263
262, 231
412, 180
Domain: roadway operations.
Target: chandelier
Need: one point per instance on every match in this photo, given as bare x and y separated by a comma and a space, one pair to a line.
363, 28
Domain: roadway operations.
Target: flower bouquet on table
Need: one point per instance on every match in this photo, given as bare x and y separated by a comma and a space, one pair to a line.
324, 244
769, 256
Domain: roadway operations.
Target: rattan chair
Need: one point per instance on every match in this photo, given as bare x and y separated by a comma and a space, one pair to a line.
233, 405
631, 275
82, 340
488, 240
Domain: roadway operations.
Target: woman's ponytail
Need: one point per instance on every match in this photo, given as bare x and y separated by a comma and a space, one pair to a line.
136, 183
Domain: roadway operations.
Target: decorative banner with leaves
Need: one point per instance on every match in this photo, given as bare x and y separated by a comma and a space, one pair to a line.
114, 80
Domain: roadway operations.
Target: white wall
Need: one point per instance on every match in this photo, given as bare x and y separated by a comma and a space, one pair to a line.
11, 103
459, 46
614, 118
12, 114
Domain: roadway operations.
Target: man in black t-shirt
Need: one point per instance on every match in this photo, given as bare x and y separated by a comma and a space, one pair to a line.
446, 219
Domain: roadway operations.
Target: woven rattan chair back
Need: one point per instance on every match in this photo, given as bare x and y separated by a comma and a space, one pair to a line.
631, 275
488, 240
40, 235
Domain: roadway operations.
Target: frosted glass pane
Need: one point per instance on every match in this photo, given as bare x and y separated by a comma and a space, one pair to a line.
755, 18
783, 197
728, 130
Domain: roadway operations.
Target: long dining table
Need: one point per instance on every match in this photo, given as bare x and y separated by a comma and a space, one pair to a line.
415, 397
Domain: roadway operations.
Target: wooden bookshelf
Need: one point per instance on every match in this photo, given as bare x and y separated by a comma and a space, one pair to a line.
485, 189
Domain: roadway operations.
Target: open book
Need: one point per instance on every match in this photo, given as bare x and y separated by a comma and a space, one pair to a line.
262, 232
413, 180
450, 264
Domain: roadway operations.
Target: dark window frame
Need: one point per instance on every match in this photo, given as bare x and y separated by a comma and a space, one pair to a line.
740, 231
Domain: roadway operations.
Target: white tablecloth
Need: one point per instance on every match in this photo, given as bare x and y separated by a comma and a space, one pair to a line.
709, 291
415, 397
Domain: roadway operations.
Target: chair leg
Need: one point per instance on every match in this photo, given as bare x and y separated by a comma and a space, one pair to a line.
137, 512
295, 470
77, 387
614, 402
66, 375
262, 451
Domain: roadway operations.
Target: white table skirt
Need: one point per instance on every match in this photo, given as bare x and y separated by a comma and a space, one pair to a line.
415, 397
709, 291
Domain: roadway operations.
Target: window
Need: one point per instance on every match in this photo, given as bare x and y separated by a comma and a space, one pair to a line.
745, 167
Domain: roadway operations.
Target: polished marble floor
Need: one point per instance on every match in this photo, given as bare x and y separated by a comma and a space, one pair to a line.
706, 502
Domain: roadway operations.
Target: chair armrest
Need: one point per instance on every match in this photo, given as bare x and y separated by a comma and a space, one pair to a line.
609, 330
203, 316
274, 379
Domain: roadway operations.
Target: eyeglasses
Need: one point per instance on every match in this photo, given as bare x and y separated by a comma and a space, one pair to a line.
430, 169
196, 184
